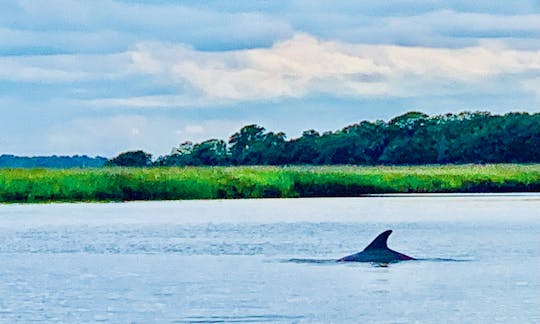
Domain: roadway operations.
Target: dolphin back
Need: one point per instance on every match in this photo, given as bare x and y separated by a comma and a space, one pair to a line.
380, 242
377, 251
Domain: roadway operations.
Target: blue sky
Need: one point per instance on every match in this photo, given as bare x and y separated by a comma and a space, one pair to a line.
102, 77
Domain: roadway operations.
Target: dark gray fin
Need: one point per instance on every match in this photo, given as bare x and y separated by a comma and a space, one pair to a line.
379, 242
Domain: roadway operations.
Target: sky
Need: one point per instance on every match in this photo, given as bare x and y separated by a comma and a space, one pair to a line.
103, 77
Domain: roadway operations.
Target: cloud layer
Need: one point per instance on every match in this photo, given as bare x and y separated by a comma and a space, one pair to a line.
168, 68
297, 67
303, 65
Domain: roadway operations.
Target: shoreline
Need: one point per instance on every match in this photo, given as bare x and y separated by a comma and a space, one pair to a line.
203, 183
489, 195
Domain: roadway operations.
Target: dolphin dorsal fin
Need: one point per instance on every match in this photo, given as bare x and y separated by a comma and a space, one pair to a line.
379, 242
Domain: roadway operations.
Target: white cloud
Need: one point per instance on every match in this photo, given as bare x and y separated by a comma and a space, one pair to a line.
304, 65
294, 68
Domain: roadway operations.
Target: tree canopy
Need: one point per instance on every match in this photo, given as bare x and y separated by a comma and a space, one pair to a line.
411, 138
131, 159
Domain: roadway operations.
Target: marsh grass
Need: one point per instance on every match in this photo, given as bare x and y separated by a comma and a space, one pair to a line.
123, 184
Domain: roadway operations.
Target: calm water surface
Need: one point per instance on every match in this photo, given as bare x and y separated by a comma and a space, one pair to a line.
230, 261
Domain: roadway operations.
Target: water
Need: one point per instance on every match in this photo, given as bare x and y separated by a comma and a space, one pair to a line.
233, 261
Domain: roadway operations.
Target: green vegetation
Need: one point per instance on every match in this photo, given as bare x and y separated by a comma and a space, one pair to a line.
131, 159
412, 138
240, 168
163, 183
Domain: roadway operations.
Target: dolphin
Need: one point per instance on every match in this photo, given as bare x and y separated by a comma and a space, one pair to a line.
377, 251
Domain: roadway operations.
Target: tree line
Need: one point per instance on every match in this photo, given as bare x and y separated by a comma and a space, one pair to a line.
411, 138
60, 162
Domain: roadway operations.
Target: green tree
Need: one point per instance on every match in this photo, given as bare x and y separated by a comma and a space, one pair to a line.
210, 152
367, 141
305, 149
408, 140
245, 145
272, 148
131, 159
411, 138
180, 156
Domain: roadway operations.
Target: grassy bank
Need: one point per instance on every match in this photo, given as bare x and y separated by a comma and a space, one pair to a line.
121, 184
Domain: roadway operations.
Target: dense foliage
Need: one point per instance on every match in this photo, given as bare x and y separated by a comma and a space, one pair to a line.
120, 184
131, 159
412, 138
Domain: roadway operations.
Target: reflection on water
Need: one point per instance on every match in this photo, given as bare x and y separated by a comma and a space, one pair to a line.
251, 261
334, 261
